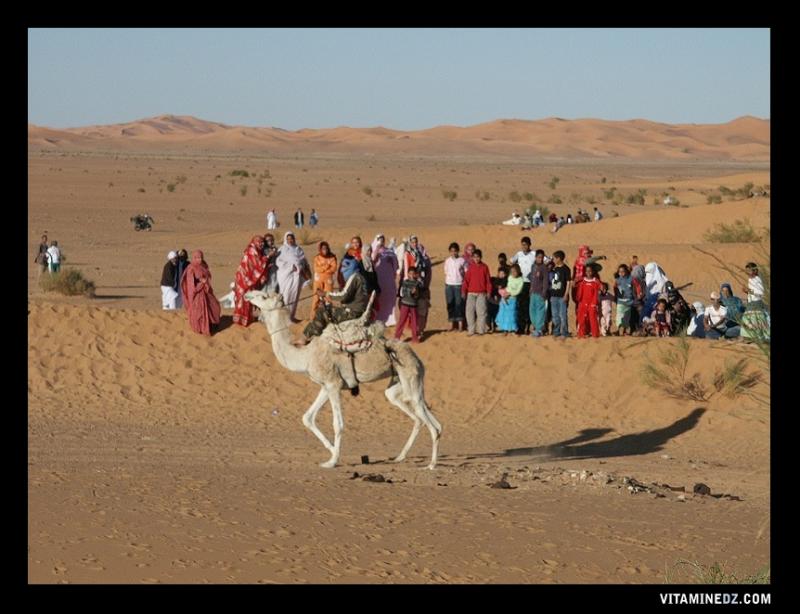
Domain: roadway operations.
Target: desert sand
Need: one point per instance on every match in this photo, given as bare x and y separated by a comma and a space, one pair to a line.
159, 456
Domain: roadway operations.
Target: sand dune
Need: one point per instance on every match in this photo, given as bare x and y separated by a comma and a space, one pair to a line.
156, 455
745, 138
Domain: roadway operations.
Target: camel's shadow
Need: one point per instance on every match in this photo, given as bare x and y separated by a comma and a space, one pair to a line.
582, 445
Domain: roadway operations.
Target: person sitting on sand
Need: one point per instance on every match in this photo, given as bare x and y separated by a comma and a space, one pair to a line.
347, 304
661, 319
696, 327
201, 305
716, 318
735, 308
515, 220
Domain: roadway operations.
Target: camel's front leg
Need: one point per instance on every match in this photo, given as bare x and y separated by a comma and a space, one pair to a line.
310, 418
335, 397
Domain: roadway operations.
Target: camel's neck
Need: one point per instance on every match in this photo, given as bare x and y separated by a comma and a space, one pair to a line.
292, 358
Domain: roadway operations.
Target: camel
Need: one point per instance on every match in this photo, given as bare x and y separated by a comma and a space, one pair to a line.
333, 370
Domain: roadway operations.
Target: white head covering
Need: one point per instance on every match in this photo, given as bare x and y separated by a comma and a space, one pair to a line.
375, 243
172, 254
655, 278
290, 254
698, 307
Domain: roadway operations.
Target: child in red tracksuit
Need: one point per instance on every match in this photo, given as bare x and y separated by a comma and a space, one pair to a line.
588, 298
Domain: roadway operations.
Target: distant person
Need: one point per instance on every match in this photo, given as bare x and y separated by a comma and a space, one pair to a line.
384, 265
606, 308
270, 250
735, 308
476, 288
559, 295
661, 319
251, 275
272, 220
313, 218
299, 218
588, 298
169, 274
696, 327
292, 269
639, 286
499, 291
525, 258
553, 218
183, 262
502, 262
41, 256
569, 218
539, 287
54, 257
597, 215
409, 294
716, 318
326, 267
453, 279
201, 305
469, 249
507, 315
623, 292
755, 285
537, 219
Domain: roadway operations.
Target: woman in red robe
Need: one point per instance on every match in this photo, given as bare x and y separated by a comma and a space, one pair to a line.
251, 275
198, 295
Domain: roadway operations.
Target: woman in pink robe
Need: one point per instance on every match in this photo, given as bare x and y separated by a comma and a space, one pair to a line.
201, 305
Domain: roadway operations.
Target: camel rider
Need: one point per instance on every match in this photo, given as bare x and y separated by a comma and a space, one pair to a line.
347, 304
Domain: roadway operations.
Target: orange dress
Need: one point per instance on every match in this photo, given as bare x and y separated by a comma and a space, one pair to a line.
325, 269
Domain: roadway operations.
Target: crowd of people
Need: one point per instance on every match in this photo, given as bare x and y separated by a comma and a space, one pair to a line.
529, 294
530, 220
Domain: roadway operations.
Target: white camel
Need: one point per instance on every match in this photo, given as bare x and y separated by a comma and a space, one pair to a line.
333, 370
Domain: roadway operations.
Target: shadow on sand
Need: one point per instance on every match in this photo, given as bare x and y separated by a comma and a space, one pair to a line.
582, 445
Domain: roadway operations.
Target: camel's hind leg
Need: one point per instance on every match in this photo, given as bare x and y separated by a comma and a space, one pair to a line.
310, 418
411, 372
395, 395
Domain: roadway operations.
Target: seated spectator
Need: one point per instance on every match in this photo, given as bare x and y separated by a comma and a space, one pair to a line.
715, 318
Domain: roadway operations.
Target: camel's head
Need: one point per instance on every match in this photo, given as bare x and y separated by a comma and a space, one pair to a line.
265, 301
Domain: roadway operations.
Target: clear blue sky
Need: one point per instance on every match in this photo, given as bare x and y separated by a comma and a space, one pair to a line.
406, 79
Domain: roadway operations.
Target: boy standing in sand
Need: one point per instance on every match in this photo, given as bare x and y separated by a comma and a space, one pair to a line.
476, 288
540, 284
409, 295
559, 295
525, 258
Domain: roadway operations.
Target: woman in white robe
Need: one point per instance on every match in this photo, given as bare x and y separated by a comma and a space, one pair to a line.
291, 264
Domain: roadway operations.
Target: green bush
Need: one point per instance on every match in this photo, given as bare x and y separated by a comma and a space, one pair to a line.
554, 200
450, 195
740, 231
239, 173
553, 183
514, 196
170, 187
67, 281
367, 190
714, 199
